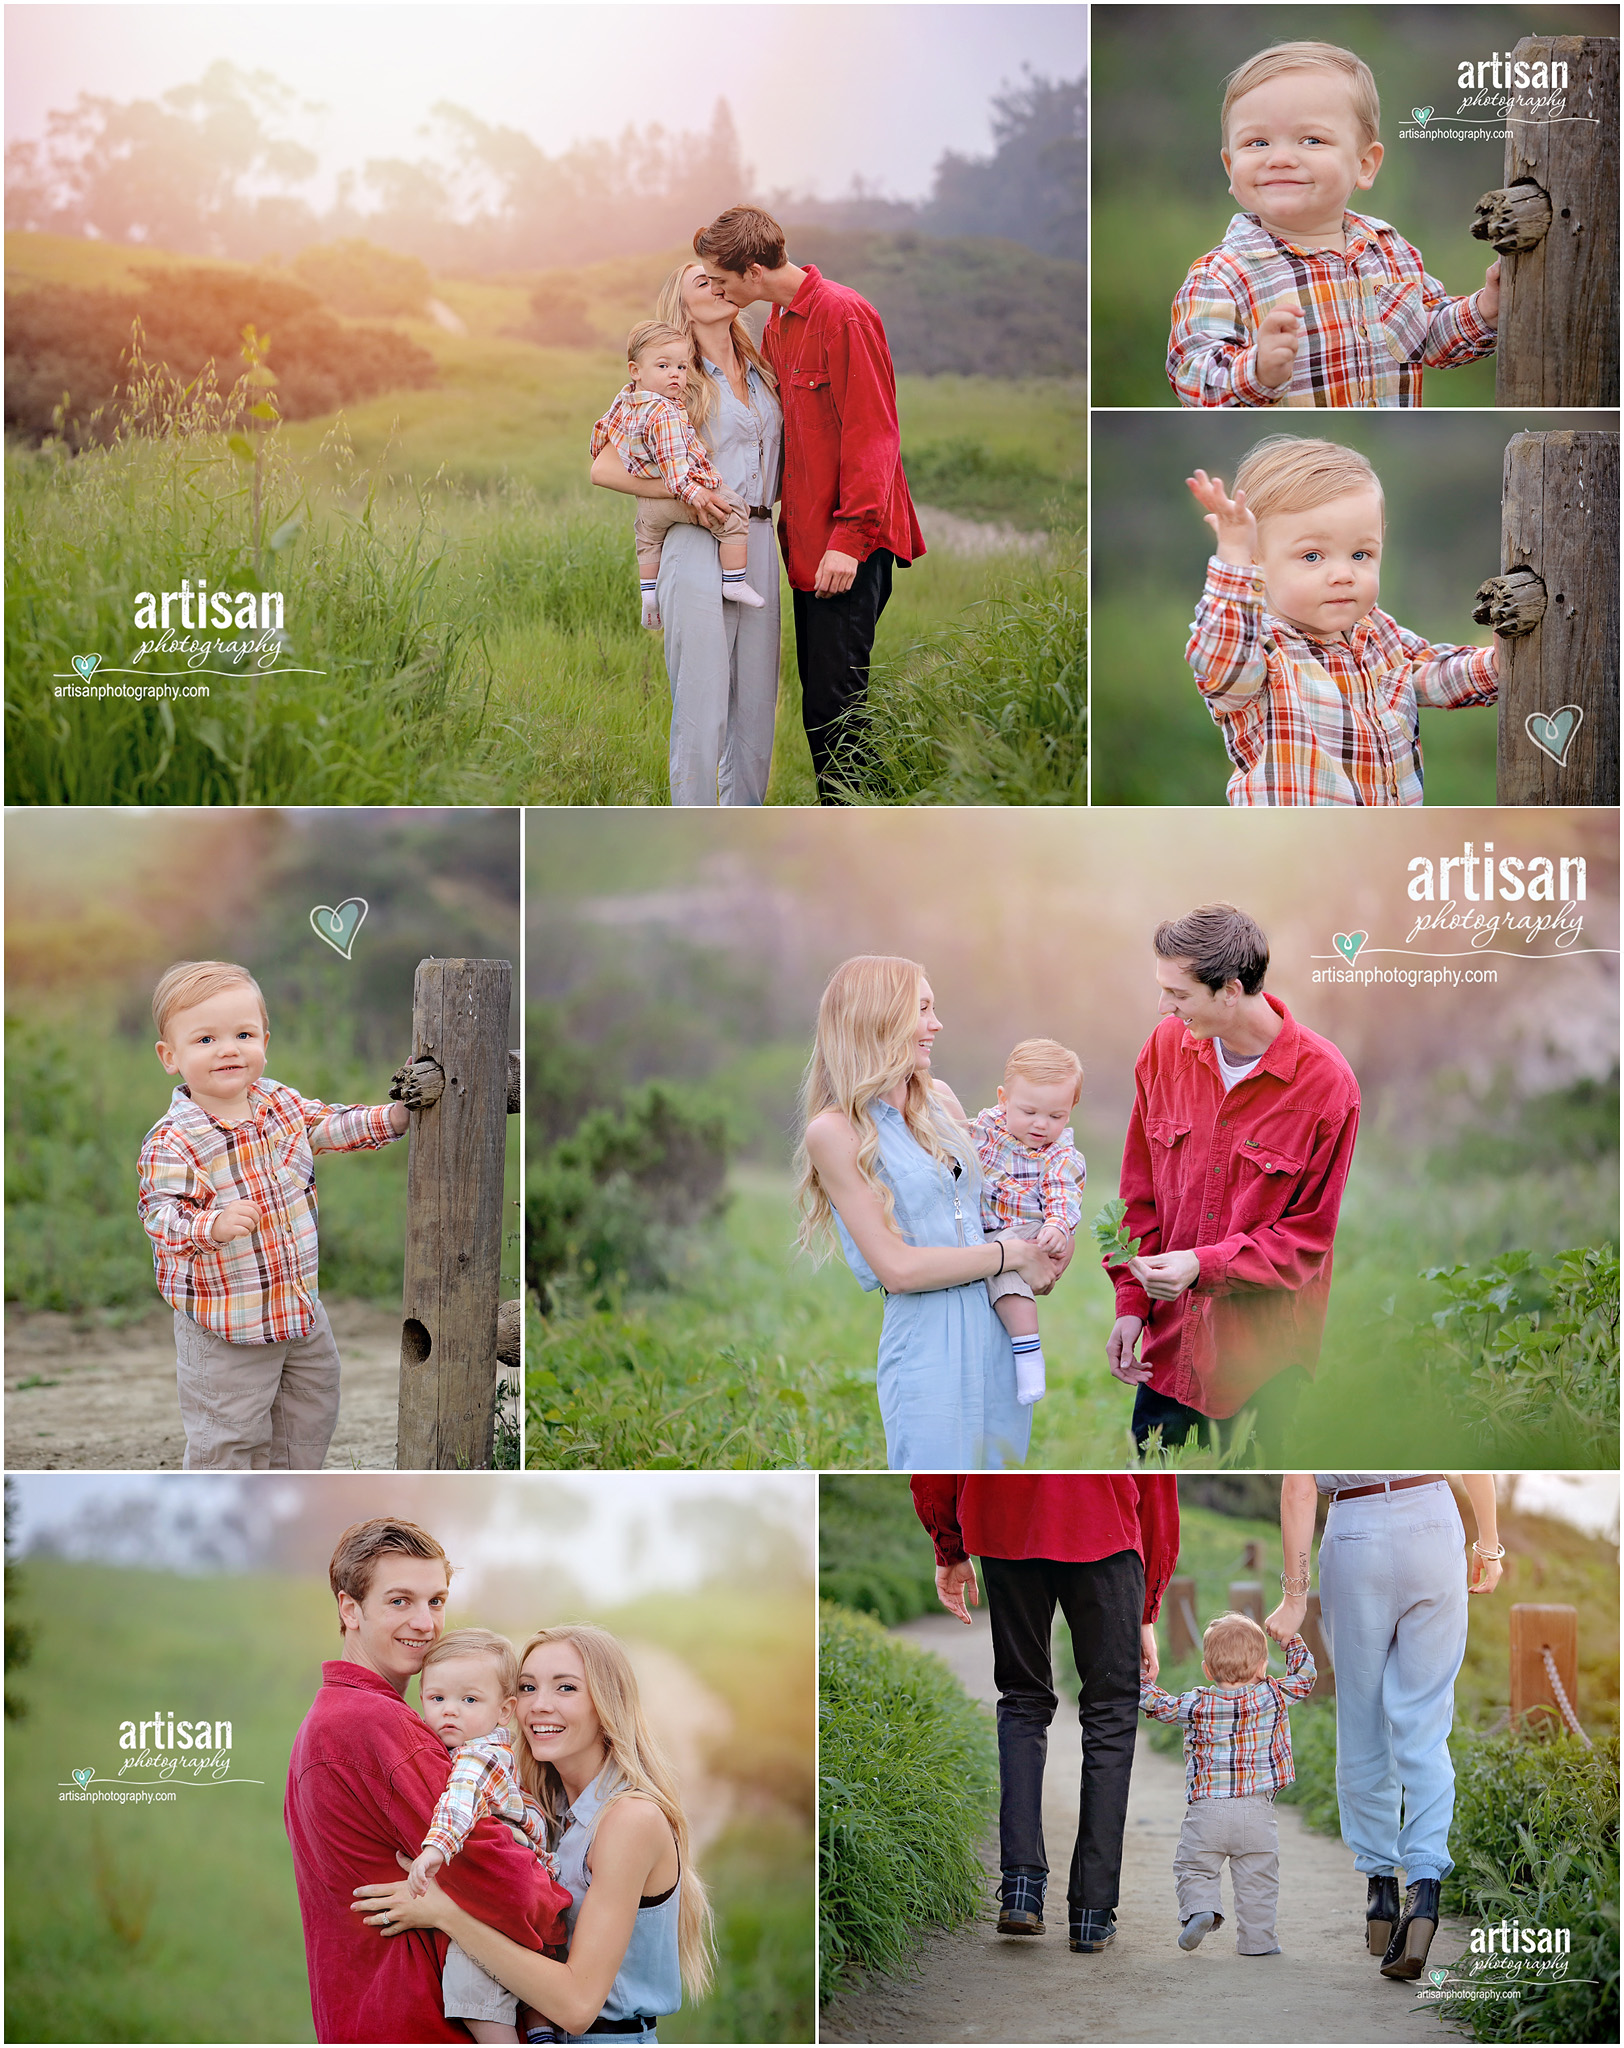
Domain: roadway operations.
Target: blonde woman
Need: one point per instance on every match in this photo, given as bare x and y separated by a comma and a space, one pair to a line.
889, 1171
722, 660
639, 1922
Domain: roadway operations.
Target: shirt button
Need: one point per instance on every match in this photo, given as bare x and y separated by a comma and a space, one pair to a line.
1210, 1214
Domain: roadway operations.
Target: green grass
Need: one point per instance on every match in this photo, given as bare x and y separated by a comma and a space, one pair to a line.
873, 1553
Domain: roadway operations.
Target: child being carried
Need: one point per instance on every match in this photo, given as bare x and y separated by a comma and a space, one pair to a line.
649, 427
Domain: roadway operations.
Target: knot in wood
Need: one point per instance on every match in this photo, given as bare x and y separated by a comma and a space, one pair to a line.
1512, 604
419, 1083
1516, 217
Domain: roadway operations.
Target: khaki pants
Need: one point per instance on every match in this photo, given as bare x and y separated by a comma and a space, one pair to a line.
1000, 1284
656, 517
468, 1993
1247, 1833
256, 1407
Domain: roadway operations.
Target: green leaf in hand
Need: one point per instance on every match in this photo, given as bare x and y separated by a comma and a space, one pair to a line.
1110, 1233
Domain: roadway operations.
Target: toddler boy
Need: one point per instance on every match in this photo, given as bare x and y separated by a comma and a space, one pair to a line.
468, 1692
228, 1197
1033, 1176
1237, 1755
1315, 688
1305, 302
653, 435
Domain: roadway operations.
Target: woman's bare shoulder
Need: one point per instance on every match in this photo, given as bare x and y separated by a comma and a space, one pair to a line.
829, 1135
949, 1101
632, 1824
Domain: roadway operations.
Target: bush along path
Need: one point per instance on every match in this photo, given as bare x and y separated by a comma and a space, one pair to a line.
973, 1984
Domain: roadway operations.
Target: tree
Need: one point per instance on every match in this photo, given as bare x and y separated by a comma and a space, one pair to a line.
1032, 188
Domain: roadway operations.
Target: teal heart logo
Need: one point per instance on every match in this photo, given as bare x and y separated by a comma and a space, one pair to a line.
1348, 943
1552, 731
83, 1778
1422, 114
86, 665
339, 927
1437, 1976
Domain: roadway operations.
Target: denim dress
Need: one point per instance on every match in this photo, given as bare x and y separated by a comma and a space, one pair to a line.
946, 1375
649, 1980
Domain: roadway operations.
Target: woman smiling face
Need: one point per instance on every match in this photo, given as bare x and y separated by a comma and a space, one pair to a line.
929, 1025
556, 1714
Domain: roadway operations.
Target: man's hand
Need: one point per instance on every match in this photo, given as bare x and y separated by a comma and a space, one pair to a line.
954, 1584
234, 1219
836, 572
1278, 334
712, 509
1122, 1352
1149, 1662
1165, 1275
1233, 526
1488, 299
417, 1878
1287, 1619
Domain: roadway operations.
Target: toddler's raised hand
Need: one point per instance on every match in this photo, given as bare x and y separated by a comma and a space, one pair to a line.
233, 1220
1231, 521
1278, 334
417, 1878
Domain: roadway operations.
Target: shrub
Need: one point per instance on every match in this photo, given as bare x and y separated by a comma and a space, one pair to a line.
358, 278
873, 1554
908, 1777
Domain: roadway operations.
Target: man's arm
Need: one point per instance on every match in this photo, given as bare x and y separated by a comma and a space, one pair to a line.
1290, 1251
862, 386
1159, 1534
936, 1503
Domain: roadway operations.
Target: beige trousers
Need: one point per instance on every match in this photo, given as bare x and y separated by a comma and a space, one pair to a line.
656, 517
1248, 1834
256, 1407
1007, 1282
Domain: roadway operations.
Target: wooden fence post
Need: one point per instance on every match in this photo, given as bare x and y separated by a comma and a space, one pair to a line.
1554, 225
1183, 1631
454, 1215
1533, 1630
1246, 1597
1319, 1650
1554, 609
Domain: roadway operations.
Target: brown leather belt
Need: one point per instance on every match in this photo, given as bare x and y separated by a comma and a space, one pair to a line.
759, 511
1388, 1486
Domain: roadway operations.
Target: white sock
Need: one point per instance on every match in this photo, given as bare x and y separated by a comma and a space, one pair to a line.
1030, 1384
651, 603
737, 591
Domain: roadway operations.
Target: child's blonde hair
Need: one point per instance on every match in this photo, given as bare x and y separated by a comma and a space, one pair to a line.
479, 1642
1231, 1646
194, 981
1281, 57
649, 333
633, 1763
1045, 1059
1289, 473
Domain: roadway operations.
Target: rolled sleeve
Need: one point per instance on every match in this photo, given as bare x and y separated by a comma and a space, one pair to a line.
356, 1127
1456, 331
176, 1202
1210, 359
1298, 1682
1162, 1706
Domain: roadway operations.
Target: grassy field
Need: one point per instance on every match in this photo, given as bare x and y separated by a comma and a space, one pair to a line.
754, 1358
466, 602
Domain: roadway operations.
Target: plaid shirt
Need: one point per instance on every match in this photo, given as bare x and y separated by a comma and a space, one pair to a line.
655, 437
258, 1289
1023, 1185
1237, 1739
482, 1785
1372, 317
1311, 721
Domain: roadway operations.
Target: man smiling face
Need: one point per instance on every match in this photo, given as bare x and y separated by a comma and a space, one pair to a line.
402, 1614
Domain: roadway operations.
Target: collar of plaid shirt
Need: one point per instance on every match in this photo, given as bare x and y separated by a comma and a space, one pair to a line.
1247, 236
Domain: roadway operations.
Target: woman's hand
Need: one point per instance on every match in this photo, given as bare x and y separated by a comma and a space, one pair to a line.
1028, 1258
392, 1909
1485, 1573
1287, 1619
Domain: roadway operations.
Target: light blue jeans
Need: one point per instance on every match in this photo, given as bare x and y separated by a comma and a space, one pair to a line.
1393, 1596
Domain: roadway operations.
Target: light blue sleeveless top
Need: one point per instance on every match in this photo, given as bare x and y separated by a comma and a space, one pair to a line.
649, 1979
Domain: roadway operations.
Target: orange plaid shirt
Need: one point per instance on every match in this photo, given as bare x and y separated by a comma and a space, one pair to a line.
1023, 1185
655, 437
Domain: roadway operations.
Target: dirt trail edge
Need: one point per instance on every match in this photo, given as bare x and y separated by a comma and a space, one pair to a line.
976, 1985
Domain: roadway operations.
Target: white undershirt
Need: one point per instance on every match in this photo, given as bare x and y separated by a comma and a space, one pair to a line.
1231, 1069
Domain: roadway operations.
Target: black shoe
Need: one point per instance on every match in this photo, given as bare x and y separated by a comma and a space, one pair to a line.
1381, 1913
1021, 1907
1093, 1930
1407, 1951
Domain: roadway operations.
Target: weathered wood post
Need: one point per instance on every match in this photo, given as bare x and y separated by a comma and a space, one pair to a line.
1183, 1635
1534, 1629
1246, 1597
1554, 225
1554, 610
458, 1081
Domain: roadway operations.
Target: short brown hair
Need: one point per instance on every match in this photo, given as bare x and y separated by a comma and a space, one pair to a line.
479, 1642
1292, 473
1283, 57
194, 981
1230, 1647
741, 236
648, 333
1221, 943
1045, 1059
355, 1562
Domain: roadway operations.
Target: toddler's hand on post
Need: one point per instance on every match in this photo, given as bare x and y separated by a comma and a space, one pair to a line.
233, 1220
1233, 526
1278, 335
1488, 299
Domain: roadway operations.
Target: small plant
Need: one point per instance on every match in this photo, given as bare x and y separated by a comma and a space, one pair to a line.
1111, 1233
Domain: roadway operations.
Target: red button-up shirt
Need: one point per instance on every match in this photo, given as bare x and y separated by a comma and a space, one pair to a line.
1071, 1517
1251, 1182
363, 1781
843, 481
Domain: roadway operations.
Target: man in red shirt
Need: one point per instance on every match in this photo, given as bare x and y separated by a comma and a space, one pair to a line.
847, 517
1237, 1153
363, 1781
1104, 1546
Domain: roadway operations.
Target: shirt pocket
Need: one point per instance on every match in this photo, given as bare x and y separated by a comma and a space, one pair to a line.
295, 1165
811, 391
1168, 1151
1266, 1179
1402, 315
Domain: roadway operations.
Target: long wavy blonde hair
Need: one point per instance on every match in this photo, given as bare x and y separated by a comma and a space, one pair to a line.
634, 1763
671, 309
868, 1029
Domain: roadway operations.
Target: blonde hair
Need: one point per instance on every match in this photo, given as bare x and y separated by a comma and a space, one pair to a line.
648, 332
1289, 473
672, 308
634, 1765
194, 981
1231, 1646
1282, 57
1045, 1059
868, 1022
479, 1642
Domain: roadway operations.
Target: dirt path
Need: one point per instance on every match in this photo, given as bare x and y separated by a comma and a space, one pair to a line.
976, 1985
950, 533
82, 1397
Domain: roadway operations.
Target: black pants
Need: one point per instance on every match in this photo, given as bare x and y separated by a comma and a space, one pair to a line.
1103, 1604
834, 637
1273, 1407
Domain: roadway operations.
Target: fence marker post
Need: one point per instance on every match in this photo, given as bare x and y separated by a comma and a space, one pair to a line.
1533, 1628
1183, 1633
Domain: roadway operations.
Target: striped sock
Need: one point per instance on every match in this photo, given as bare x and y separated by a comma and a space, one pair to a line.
1030, 1383
651, 603
734, 575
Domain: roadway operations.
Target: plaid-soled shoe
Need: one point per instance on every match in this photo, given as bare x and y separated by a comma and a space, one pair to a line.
1093, 1930
1021, 1908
